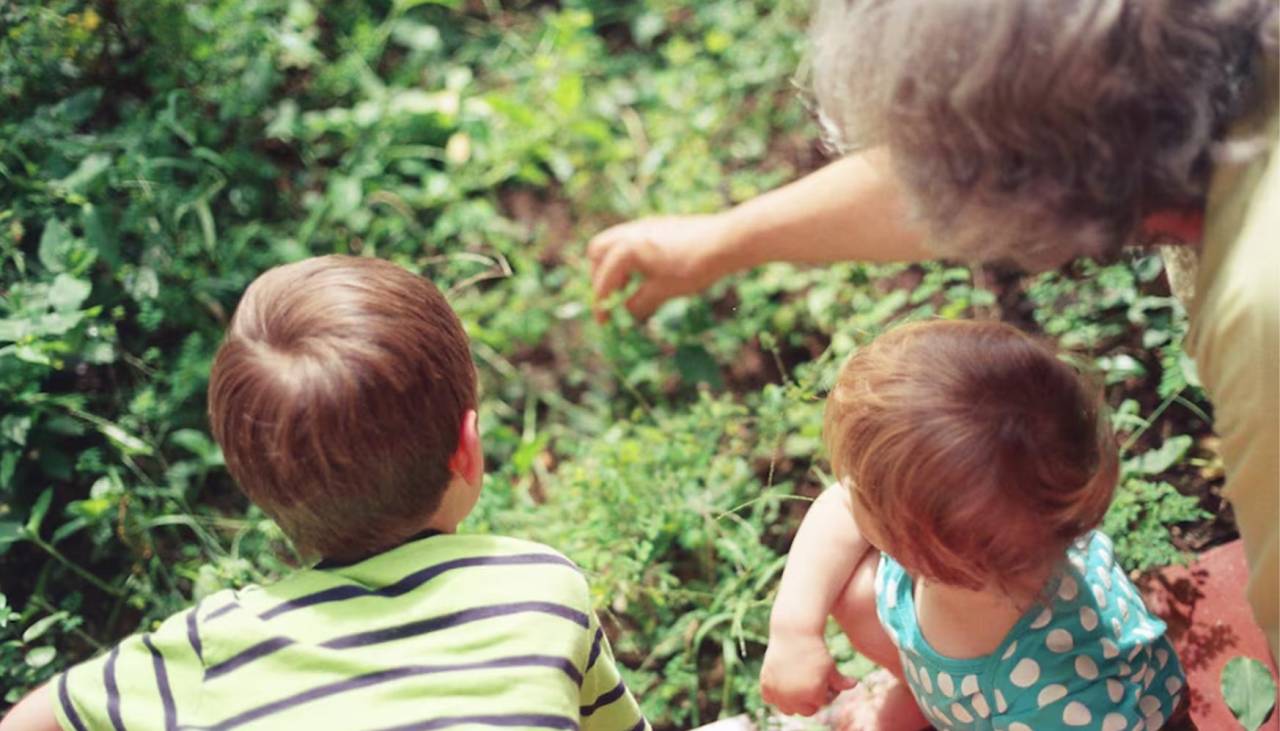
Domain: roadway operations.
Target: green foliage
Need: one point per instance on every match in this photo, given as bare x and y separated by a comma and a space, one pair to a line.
156, 155
1139, 521
667, 515
1249, 690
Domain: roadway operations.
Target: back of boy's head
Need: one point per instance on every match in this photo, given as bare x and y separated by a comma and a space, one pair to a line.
338, 396
975, 451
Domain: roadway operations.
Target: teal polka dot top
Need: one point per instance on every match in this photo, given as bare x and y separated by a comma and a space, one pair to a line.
1094, 658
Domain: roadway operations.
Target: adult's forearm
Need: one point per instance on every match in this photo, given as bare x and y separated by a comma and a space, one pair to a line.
850, 210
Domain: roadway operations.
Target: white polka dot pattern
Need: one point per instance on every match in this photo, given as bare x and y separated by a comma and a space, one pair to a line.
1059, 640
1076, 714
1086, 668
1067, 589
1025, 673
1050, 694
946, 685
1114, 722
980, 707
1088, 619
1013, 647
1043, 619
925, 681
1109, 649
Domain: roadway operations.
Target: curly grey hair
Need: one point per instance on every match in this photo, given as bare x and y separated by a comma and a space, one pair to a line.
1036, 131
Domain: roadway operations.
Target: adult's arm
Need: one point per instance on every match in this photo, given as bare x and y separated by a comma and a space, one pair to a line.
851, 209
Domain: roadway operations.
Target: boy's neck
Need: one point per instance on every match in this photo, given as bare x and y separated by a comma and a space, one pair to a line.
969, 623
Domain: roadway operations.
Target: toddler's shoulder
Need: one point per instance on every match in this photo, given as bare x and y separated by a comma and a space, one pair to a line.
1094, 645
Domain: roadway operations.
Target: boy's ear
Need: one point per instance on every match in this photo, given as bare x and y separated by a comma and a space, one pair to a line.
467, 461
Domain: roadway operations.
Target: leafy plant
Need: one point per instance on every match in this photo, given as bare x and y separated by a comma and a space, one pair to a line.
1249, 690
1145, 508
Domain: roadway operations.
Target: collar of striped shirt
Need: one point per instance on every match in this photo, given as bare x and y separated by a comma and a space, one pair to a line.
329, 563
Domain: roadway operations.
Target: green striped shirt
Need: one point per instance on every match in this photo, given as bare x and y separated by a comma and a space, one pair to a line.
449, 631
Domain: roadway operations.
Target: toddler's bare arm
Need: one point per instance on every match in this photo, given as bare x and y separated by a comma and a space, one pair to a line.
33, 713
799, 674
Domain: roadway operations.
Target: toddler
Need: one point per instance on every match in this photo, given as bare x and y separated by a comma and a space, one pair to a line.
344, 399
959, 549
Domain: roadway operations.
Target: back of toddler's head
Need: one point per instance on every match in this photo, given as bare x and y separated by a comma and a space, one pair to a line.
338, 396
973, 449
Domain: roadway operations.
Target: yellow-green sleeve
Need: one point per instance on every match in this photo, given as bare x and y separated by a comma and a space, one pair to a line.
143, 683
607, 704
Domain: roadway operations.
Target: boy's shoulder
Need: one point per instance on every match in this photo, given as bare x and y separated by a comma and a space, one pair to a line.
464, 562
499, 544
487, 549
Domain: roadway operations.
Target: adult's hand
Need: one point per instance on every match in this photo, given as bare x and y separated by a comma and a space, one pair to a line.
849, 210
673, 255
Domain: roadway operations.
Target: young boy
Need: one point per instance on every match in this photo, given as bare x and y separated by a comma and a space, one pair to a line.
344, 400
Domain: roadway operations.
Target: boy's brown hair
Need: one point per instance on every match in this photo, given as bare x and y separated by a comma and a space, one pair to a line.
338, 396
975, 451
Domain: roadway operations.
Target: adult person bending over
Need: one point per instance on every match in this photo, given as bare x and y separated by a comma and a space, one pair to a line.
1034, 133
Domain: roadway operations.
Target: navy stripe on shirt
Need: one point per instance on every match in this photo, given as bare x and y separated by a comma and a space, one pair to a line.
447, 621
193, 633
162, 683
609, 697
515, 719
392, 674
398, 632
262, 649
595, 648
222, 610
67, 707
113, 690
412, 581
